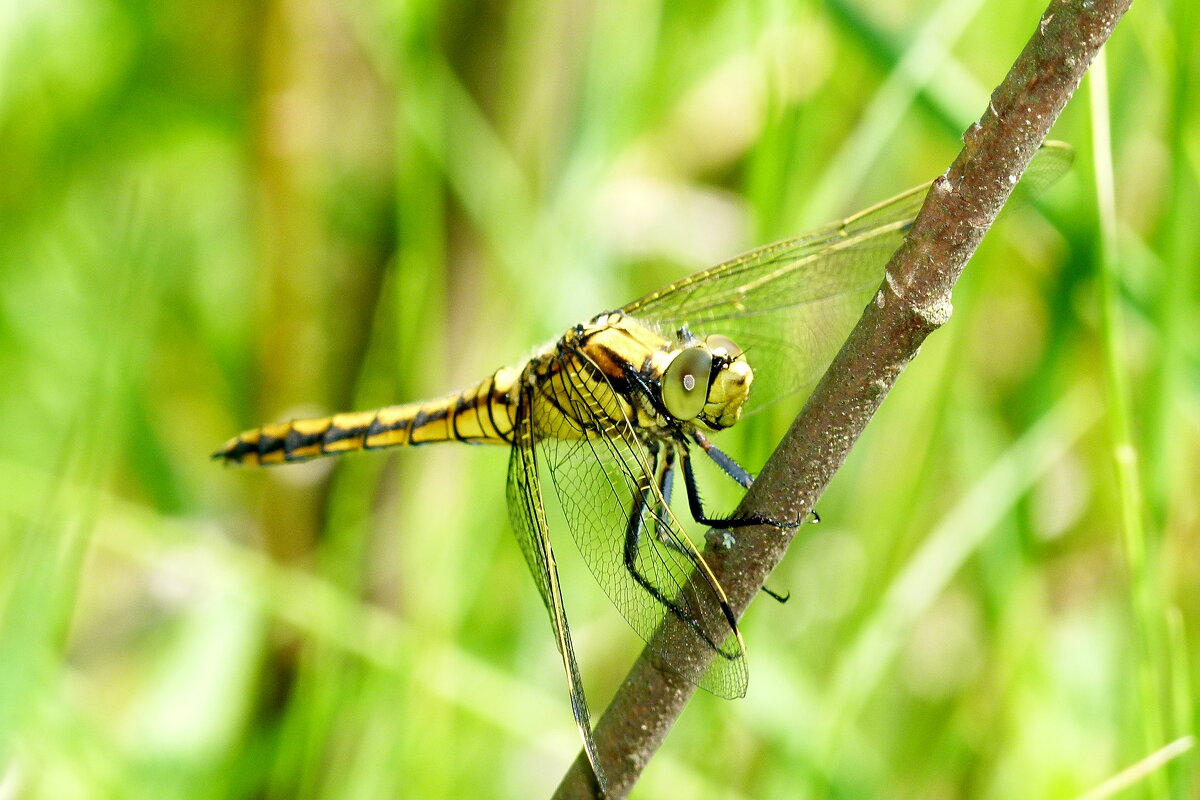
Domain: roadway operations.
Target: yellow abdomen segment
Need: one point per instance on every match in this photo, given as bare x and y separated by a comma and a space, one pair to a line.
483, 413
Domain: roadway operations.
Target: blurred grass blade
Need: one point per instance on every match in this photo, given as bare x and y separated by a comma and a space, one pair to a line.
1141, 770
1148, 614
955, 538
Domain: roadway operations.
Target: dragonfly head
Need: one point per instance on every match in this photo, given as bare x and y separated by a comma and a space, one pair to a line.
707, 381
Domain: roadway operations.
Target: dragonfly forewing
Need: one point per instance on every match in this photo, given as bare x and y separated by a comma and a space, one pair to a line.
790, 304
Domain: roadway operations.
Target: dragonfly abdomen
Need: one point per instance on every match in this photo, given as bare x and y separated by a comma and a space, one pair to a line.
482, 413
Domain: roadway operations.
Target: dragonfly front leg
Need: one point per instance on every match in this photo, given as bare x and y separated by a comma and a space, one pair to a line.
733, 470
727, 464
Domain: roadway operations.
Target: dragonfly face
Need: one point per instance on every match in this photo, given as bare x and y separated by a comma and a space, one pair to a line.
610, 411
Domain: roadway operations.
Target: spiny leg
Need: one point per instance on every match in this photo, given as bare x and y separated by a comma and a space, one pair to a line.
644, 504
666, 485
666, 482
633, 540
739, 474
732, 469
699, 516
727, 464
664, 469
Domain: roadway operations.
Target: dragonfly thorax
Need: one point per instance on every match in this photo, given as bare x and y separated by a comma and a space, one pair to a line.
658, 382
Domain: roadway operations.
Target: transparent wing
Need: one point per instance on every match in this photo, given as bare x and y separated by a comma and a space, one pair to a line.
527, 515
648, 567
789, 305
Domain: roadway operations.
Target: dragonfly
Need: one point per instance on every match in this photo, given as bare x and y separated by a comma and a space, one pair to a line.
612, 411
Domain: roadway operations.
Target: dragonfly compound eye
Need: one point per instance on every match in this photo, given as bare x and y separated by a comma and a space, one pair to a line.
723, 345
685, 383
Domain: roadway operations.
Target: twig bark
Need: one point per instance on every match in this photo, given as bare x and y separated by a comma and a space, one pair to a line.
912, 302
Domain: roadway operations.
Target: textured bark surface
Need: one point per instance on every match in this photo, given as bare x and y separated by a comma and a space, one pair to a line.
913, 301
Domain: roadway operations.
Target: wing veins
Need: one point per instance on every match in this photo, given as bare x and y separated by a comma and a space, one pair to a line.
685, 580
534, 537
887, 218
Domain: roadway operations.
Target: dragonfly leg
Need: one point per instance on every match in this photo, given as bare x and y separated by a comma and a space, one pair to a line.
699, 516
666, 485
679, 606
727, 464
697, 507
776, 596
733, 470
662, 466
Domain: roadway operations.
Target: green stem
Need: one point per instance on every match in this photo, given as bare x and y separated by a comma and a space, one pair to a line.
1146, 604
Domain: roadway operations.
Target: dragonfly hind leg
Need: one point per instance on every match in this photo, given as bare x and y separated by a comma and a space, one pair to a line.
664, 467
664, 470
643, 506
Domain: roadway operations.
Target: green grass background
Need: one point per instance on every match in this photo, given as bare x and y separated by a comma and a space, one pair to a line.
219, 214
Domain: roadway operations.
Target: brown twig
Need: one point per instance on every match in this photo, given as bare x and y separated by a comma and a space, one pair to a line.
912, 302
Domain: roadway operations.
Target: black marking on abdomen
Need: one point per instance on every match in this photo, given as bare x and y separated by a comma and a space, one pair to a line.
460, 406
420, 420
240, 450
374, 429
491, 399
336, 433
296, 440
487, 398
269, 444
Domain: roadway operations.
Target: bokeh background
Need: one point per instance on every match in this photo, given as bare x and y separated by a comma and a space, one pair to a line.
220, 214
